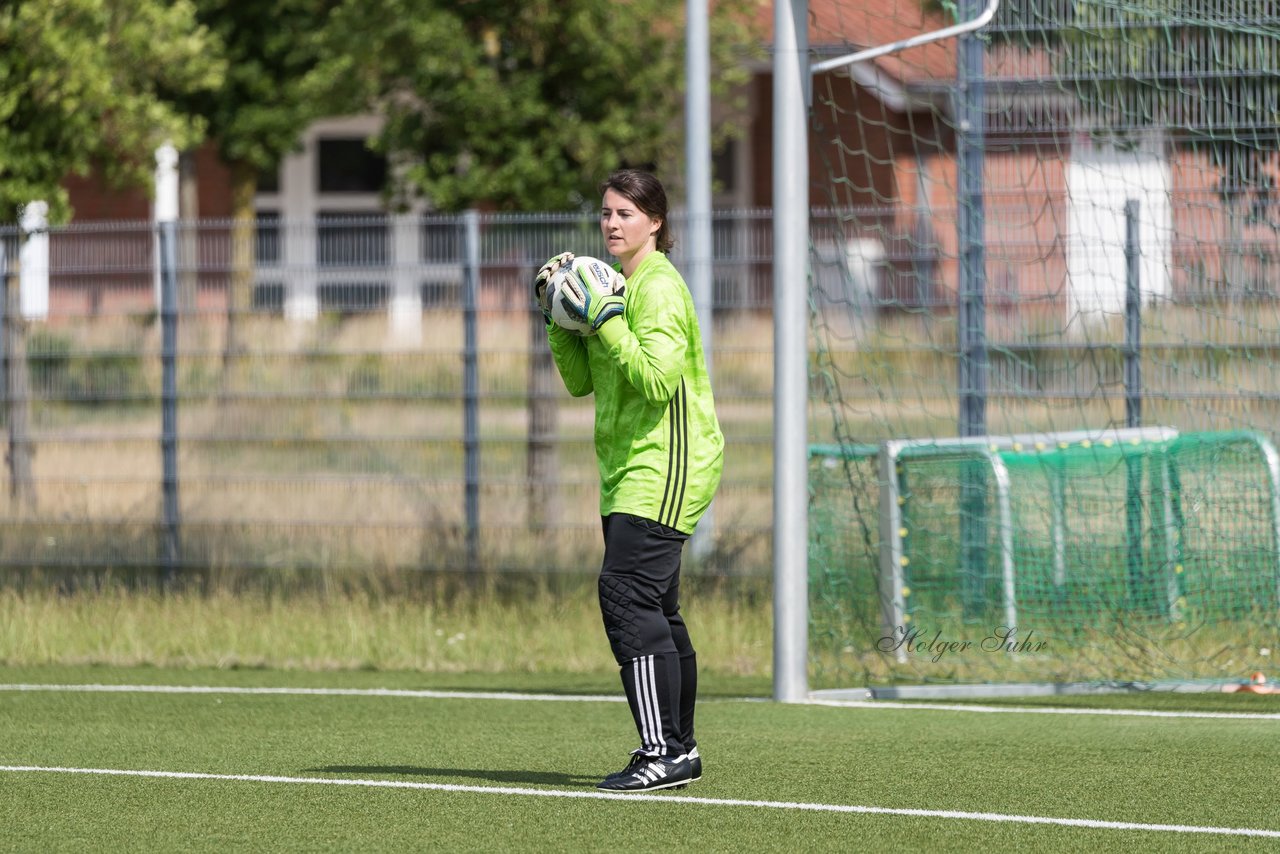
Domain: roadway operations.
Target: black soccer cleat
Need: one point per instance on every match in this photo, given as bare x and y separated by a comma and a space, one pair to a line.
649, 774
638, 759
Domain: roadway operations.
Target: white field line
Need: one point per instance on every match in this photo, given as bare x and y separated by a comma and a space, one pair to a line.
1000, 818
1043, 710
320, 692
617, 698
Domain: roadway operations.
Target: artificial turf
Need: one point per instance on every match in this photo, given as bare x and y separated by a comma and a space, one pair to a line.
1185, 771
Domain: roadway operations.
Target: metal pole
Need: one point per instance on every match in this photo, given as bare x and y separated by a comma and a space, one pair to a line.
1132, 318
971, 233
893, 605
17, 400
471, 387
972, 368
914, 41
9, 279
1133, 408
790, 372
698, 249
171, 557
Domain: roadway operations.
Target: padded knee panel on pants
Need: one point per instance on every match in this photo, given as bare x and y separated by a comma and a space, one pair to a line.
633, 619
617, 607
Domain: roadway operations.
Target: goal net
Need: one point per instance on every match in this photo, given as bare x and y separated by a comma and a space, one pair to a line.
1046, 344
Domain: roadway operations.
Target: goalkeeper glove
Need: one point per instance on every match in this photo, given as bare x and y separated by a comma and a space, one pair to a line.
594, 293
542, 282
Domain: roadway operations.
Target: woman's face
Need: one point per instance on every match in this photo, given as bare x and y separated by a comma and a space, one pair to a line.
628, 231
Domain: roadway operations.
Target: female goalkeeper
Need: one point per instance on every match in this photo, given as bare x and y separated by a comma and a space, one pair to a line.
660, 451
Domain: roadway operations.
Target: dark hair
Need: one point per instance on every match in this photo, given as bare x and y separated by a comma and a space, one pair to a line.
645, 191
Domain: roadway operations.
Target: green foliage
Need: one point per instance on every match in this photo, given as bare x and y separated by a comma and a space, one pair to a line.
521, 106
258, 112
84, 84
367, 375
102, 379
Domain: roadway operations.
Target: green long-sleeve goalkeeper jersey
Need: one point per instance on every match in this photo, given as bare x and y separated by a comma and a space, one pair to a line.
657, 439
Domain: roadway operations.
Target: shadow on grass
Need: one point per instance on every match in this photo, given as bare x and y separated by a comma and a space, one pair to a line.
552, 778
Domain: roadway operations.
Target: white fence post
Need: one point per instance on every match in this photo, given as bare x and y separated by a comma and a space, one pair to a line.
404, 306
165, 206
33, 262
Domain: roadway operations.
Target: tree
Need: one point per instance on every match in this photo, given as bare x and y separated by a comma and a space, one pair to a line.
256, 116
522, 105
82, 86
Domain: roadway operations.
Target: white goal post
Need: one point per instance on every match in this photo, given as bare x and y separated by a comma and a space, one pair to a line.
985, 449
792, 75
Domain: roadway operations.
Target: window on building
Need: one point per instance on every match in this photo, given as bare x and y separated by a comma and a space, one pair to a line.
348, 166
724, 167
269, 180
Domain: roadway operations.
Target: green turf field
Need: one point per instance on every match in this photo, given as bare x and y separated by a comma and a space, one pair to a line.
334, 771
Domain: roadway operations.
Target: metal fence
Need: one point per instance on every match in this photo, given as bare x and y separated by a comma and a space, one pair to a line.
356, 393
377, 393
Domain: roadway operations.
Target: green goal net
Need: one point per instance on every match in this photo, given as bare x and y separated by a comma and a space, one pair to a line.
1046, 345
1136, 555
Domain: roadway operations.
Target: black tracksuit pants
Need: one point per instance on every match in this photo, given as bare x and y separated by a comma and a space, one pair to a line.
640, 604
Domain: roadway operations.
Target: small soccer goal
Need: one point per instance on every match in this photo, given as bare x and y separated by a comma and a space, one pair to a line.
1117, 554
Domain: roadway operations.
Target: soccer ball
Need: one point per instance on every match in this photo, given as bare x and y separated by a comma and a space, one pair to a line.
559, 314
602, 277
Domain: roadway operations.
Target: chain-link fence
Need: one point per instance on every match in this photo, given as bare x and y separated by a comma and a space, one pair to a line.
376, 392
354, 393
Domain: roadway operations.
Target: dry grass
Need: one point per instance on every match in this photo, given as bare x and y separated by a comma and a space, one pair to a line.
481, 630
